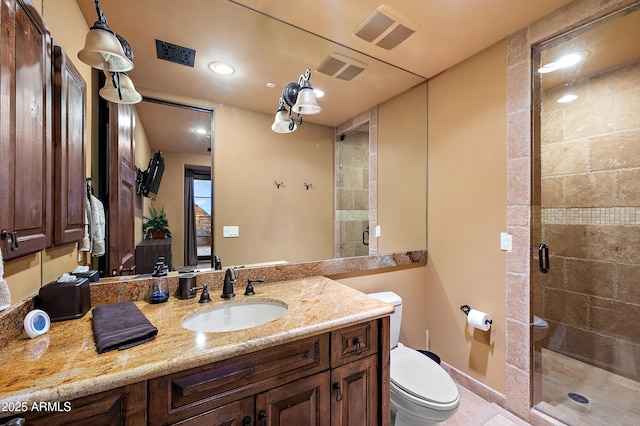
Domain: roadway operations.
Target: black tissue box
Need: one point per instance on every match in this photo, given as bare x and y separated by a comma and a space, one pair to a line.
93, 276
65, 300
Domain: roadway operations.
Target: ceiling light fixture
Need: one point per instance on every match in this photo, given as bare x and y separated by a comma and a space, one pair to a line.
111, 53
301, 99
221, 68
569, 97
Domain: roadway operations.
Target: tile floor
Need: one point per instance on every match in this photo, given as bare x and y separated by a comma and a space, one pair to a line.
613, 400
475, 411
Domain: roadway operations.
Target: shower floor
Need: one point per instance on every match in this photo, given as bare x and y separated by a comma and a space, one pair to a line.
613, 399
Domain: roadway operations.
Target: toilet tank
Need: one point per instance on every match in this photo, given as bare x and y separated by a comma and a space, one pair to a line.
396, 318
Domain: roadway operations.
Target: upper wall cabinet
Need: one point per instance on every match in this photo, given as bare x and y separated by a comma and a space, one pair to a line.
69, 99
26, 172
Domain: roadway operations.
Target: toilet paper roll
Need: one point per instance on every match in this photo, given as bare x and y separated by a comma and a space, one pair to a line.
478, 319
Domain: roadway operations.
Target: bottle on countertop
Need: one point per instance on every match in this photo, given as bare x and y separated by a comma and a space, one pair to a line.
159, 287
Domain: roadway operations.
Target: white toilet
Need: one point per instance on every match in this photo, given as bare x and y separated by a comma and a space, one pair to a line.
422, 393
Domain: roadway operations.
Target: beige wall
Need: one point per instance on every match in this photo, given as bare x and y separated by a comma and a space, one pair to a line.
289, 223
467, 212
402, 171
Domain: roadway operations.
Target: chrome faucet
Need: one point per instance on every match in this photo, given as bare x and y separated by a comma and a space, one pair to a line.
227, 288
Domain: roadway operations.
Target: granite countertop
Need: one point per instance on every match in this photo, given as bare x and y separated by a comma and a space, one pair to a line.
64, 364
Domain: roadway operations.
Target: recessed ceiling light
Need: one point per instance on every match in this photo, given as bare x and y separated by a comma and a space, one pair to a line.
564, 61
221, 68
271, 85
569, 97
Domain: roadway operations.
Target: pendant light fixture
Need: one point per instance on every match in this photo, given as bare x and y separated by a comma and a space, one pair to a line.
301, 99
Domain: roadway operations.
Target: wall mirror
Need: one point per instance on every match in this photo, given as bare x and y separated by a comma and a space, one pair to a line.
267, 54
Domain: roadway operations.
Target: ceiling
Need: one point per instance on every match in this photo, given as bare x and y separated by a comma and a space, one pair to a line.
274, 41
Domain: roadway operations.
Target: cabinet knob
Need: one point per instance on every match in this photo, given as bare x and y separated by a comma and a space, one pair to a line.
247, 421
262, 416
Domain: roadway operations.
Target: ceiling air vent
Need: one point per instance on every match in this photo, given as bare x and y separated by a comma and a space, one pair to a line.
174, 53
340, 66
385, 28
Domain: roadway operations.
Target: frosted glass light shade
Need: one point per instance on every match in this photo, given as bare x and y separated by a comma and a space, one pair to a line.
127, 90
103, 50
307, 102
282, 122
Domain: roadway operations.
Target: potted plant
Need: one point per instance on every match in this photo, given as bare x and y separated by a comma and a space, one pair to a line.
156, 225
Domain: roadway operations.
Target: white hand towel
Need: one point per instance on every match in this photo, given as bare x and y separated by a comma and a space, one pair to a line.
5, 294
97, 226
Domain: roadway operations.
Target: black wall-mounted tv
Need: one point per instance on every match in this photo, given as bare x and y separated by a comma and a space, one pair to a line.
149, 181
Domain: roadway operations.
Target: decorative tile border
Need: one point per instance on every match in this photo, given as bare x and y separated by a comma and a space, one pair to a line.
591, 216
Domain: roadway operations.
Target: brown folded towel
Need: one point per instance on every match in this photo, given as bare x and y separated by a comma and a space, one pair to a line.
120, 326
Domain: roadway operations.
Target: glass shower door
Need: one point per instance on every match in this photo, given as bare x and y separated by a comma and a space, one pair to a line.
586, 279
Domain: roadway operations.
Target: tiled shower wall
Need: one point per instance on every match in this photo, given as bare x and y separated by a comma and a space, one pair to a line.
591, 220
352, 214
352, 186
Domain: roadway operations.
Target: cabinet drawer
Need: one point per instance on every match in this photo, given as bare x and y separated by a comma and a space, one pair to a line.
185, 394
355, 342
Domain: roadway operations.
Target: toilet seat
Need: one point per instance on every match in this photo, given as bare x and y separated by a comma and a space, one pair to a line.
421, 380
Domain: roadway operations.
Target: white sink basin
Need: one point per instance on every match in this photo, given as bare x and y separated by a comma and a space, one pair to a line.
235, 316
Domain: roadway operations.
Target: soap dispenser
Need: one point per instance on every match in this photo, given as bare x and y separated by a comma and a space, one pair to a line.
159, 285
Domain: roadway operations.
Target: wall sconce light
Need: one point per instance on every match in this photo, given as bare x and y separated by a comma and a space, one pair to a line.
103, 49
301, 99
110, 52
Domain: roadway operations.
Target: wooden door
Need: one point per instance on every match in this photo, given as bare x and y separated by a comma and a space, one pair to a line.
26, 179
354, 394
303, 402
122, 189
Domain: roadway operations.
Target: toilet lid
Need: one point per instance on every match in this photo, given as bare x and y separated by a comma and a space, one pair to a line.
421, 377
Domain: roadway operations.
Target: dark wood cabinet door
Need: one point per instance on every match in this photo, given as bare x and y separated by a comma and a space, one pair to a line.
122, 193
69, 94
126, 406
303, 402
26, 180
354, 398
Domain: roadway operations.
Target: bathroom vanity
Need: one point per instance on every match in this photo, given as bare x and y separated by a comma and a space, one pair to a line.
325, 361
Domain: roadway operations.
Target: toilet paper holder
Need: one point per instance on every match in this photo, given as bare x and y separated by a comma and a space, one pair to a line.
466, 309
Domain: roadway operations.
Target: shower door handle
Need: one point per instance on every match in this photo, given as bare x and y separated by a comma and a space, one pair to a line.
543, 256
365, 237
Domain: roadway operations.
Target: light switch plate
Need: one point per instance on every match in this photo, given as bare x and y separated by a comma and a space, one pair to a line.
506, 242
377, 231
230, 231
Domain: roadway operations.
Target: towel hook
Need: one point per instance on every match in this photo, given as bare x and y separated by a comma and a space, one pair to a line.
279, 184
